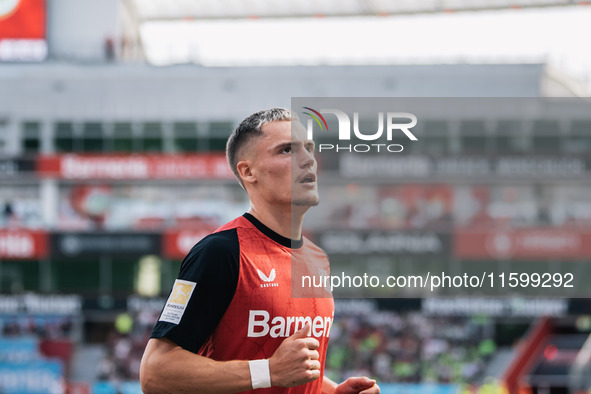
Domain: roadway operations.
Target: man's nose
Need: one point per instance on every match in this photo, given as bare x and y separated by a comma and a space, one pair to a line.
307, 159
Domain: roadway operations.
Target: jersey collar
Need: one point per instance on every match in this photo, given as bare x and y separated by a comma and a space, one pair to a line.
280, 239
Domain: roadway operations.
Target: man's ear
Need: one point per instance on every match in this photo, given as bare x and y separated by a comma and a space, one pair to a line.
245, 171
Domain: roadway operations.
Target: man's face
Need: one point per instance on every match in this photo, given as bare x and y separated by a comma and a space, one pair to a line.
283, 162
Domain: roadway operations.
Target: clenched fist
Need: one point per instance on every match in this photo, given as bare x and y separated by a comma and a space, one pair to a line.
295, 361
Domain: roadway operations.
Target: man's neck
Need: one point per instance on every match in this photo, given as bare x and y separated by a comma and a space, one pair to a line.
285, 222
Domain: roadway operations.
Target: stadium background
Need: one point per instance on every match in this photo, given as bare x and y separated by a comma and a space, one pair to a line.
112, 167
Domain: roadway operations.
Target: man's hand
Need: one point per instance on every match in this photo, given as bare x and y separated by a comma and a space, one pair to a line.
295, 361
358, 386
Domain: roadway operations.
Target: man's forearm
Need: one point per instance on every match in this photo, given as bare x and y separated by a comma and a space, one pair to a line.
328, 386
167, 368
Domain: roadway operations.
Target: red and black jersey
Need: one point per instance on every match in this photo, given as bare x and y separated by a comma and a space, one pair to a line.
233, 297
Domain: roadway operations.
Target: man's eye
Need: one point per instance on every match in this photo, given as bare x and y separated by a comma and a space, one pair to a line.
286, 150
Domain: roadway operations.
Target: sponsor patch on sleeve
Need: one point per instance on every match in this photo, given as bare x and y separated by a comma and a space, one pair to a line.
177, 301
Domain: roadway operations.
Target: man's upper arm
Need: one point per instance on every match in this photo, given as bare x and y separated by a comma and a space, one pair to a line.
202, 292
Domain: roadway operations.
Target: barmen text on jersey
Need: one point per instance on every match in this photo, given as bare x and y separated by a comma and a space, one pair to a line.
280, 326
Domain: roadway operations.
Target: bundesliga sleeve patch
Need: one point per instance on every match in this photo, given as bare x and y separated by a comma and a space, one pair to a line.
177, 301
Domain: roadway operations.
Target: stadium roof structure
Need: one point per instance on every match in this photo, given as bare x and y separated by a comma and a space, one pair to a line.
151, 10
223, 33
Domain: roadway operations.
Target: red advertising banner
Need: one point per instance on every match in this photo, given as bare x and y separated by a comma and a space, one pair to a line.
22, 19
177, 243
523, 244
22, 30
121, 167
23, 244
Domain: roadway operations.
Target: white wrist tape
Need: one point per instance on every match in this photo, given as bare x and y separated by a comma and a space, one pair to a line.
260, 376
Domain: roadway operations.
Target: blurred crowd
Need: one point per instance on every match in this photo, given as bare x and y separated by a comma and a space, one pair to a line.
125, 346
354, 206
412, 347
385, 345
39, 326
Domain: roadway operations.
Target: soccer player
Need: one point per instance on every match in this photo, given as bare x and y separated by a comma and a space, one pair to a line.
230, 323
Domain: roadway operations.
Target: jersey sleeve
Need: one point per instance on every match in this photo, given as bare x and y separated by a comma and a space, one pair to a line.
202, 292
